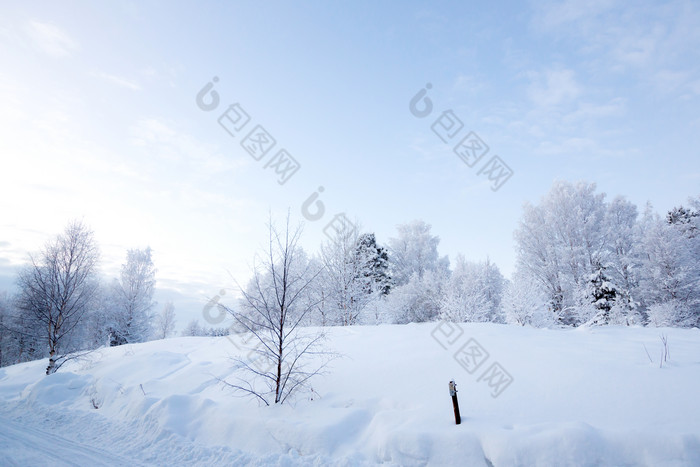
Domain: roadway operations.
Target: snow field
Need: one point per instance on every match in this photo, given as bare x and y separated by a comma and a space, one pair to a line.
586, 396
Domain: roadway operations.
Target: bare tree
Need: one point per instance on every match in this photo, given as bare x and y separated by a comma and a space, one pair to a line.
59, 286
165, 321
285, 357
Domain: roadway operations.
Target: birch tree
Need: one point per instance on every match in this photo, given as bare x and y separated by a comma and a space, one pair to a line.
58, 287
283, 356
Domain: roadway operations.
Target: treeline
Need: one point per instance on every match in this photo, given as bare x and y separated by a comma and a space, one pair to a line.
584, 260
63, 307
581, 260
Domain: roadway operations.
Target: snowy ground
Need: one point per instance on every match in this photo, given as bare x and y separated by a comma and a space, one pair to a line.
578, 397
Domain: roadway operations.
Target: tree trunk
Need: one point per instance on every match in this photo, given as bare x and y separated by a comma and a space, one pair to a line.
52, 363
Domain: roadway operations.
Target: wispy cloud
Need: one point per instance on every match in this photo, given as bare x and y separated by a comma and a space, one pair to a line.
587, 111
162, 139
558, 14
51, 39
553, 87
640, 37
118, 81
577, 146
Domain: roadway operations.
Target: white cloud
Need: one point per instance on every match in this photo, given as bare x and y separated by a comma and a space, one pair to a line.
51, 39
553, 88
587, 111
553, 15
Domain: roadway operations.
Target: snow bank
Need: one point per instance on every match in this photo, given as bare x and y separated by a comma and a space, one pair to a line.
577, 397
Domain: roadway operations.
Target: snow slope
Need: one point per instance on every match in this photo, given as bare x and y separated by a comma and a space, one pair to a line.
579, 397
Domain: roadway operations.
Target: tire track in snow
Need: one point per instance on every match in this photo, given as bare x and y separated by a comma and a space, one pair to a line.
26, 446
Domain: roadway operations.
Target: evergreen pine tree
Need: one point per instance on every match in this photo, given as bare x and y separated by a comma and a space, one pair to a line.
373, 262
603, 294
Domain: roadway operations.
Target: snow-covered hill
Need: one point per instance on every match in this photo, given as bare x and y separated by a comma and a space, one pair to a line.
577, 397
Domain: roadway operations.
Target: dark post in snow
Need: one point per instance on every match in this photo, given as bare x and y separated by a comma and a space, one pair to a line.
455, 403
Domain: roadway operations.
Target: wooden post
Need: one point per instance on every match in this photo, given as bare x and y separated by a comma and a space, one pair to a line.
455, 403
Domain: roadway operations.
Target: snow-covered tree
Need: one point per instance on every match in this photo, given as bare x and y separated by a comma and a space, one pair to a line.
322, 311
419, 300
492, 285
686, 220
561, 242
599, 298
670, 271
194, 329
539, 257
373, 262
665, 314
5, 330
419, 274
165, 321
96, 331
346, 278
463, 302
622, 261
524, 303
58, 288
19, 339
473, 292
133, 299
413, 252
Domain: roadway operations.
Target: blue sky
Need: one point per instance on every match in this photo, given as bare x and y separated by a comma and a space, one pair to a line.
99, 121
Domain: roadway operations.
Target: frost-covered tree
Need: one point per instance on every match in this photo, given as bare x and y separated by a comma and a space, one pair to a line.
686, 220
597, 297
373, 262
194, 329
419, 274
472, 293
665, 314
133, 299
419, 300
492, 285
58, 288
670, 271
561, 242
540, 258
321, 309
4, 329
524, 303
346, 278
413, 252
19, 340
165, 321
622, 261
96, 330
